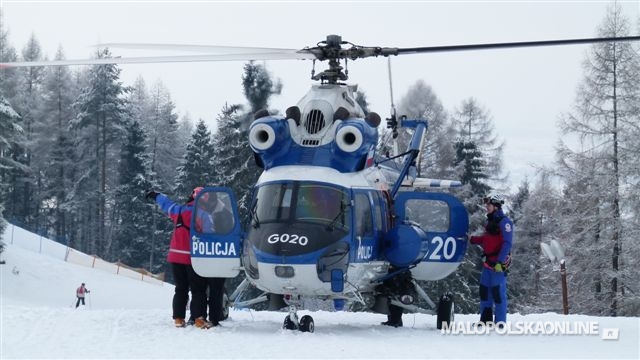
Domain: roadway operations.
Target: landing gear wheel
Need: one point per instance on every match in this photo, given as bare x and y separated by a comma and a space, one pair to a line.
306, 324
445, 310
288, 324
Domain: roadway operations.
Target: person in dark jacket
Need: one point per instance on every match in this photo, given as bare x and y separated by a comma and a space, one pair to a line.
496, 245
180, 259
80, 294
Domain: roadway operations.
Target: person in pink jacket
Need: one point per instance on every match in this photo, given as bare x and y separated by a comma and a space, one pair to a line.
80, 294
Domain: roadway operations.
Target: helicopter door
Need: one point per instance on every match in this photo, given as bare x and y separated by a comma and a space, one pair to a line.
364, 230
445, 221
215, 234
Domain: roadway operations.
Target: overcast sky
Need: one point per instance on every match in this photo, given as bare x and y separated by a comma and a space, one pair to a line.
526, 90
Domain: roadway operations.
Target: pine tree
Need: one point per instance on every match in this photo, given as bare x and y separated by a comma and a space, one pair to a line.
533, 283
258, 86
478, 154
101, 108
165, 147
133, 238
604, 119
10, 132
437, 155
8, 76
23, 205
54, 146
196, 169
234, 162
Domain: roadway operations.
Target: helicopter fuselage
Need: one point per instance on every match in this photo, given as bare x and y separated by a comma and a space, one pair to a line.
311, 222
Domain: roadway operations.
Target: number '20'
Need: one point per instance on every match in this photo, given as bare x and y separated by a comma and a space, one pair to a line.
443, 248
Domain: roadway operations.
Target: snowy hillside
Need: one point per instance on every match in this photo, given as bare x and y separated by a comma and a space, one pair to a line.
126, 318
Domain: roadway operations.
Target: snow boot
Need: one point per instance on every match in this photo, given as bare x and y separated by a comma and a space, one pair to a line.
395, 317
179, 322
202, 323
486, 317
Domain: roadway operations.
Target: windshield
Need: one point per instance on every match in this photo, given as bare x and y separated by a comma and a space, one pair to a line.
302, 202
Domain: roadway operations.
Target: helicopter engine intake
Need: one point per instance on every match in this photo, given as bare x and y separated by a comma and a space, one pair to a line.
262, 136
349, 138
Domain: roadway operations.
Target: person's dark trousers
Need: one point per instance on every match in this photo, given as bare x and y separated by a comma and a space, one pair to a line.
395, 315
80, 300
216, 291
186, 279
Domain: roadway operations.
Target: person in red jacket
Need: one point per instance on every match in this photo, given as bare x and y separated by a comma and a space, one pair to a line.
180, 259
80, 294
496, 245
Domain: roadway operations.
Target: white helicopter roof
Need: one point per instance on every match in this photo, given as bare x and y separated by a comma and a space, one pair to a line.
370, 177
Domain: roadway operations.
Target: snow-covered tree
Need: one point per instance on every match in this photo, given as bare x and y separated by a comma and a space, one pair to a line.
437, 155
165, 147
478, 151
258, 86
101, 107
54, 146
22, 204
133, 221
8, 76
196, 169
234, 162
604, 161
533, 282
10, 132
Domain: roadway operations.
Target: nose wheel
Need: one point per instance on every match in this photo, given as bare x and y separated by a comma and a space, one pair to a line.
305, 324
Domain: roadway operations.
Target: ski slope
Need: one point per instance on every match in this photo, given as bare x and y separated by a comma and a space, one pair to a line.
129, 319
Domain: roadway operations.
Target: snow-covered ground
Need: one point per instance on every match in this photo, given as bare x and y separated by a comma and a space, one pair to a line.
126, 318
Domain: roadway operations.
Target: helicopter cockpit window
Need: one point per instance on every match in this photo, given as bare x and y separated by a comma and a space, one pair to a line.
213, 214
364, 217
314, 203
324, 204
377, 210
431, 215
273, 202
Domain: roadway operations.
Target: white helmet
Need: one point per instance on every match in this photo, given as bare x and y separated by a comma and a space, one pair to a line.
494, 199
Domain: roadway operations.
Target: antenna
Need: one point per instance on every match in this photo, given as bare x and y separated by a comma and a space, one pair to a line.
393, 107
392, 123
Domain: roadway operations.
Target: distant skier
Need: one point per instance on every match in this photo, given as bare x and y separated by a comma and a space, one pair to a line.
180, 259
80, 292
496, 245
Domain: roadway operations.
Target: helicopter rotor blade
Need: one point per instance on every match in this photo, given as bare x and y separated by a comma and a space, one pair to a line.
211, 49
291, 55
510, 45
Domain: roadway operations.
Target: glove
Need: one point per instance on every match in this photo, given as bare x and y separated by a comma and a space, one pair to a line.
151, 195
498, 267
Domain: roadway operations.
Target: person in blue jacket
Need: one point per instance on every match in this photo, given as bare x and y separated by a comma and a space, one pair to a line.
496, 245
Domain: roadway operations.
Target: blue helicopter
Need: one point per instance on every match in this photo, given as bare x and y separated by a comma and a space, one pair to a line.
330, 218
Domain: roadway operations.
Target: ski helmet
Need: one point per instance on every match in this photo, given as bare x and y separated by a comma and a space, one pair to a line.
494, 199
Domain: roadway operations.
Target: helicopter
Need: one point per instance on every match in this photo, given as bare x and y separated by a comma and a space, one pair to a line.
331, 219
